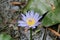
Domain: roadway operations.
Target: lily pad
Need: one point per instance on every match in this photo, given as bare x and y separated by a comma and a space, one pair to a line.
5, 37
42, 6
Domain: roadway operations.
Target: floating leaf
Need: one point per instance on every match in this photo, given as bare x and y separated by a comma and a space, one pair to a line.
5, 37
41, 6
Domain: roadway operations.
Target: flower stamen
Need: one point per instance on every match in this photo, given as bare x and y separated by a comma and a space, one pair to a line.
30, 21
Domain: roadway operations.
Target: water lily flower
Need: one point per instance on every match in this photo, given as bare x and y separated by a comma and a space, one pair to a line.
29, 20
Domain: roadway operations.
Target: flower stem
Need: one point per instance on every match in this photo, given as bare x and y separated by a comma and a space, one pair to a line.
30, 33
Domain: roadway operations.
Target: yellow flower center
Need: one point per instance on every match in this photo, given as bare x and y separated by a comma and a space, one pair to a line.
30, 21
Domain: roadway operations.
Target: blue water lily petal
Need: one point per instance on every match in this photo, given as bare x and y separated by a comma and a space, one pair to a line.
30, 19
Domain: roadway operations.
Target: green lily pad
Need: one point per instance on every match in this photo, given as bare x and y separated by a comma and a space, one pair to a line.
42, 6
5, 37
53, 17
